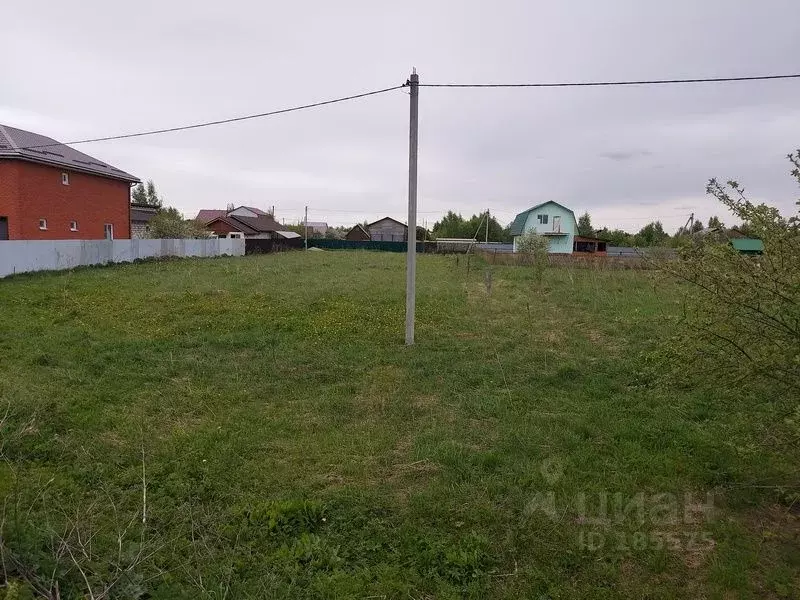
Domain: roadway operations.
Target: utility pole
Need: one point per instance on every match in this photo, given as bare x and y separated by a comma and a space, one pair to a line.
687, 228
305, 223
411, 253
487, 226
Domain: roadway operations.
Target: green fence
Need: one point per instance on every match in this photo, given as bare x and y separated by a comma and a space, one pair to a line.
359, 245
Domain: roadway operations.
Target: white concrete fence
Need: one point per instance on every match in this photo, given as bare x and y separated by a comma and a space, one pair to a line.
22, 256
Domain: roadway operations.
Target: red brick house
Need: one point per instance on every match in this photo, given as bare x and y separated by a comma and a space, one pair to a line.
49, 191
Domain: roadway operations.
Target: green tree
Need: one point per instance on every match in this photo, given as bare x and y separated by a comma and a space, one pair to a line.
650, 235
616, 237
138, 194
746, 229
742, 314
168, 223
697, 226
715, 222
146, 194
336, 233
585, 225
453, 225
153, 198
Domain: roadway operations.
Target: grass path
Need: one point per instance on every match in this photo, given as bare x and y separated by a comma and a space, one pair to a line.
293, 447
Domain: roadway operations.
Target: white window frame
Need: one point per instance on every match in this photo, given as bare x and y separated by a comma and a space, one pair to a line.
108, 231
73, 226
43, 224
64, 178
236, 235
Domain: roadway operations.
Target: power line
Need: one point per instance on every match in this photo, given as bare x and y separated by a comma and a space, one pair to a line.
404, 85
399, 87
611, 83
220, 121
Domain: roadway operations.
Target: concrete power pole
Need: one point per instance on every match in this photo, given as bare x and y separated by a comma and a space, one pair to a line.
411, 253
305, 224
487, 226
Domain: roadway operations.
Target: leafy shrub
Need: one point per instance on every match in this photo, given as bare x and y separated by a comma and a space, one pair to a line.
534, 249
742, 312
287, 517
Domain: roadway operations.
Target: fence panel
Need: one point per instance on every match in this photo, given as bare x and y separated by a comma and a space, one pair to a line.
596, 261
362, 245
23, 256
263, 246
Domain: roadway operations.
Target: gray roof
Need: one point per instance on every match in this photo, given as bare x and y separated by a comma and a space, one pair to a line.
519, 221
142, 213
26, 145
261, 223
250, 225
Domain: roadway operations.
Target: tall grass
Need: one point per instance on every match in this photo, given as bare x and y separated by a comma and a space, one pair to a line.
292, 446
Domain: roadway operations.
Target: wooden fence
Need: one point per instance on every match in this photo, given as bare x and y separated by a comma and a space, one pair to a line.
580, 261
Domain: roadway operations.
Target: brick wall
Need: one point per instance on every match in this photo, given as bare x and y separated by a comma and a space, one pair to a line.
9, 196
139, 230
29, 192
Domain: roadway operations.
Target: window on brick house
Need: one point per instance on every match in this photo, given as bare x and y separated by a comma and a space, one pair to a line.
43, 224
73, 226
65, 178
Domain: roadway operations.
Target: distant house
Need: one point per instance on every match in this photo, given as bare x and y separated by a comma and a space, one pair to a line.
237, 226
50, 191
387, 229
357, 234
141, 214
738, 240
552, 220
748, 245
206, 215
316, 228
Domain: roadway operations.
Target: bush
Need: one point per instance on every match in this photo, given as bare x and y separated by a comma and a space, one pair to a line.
742, 313
534, 249
168, 223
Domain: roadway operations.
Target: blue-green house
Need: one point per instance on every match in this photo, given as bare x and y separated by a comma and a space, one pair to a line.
552, 220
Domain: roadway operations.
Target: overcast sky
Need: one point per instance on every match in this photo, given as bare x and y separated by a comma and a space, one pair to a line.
72, 70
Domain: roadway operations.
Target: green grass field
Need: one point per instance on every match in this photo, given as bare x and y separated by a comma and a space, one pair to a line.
293, 447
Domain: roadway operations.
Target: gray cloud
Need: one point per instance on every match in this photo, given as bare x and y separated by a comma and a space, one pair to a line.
624, 154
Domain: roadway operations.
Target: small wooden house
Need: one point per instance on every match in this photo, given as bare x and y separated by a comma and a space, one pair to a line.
388, 229
357, 234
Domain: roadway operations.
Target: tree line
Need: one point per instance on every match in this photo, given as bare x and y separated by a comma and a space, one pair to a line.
169, 222
453, 225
